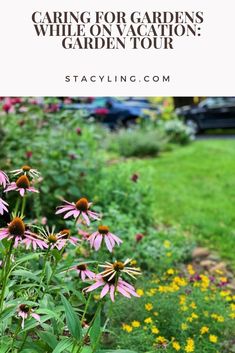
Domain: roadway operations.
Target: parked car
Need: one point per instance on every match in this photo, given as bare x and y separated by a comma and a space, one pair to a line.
113, 111
211, 113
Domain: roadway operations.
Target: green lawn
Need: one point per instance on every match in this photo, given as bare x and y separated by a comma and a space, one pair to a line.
195, 186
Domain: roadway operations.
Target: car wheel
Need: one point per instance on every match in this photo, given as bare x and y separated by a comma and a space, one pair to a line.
193, 124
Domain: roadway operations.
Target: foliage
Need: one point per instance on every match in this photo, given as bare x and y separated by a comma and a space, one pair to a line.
177, 131
141, 202
138, 143
178, 311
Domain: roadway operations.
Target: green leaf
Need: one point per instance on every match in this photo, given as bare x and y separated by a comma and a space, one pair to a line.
48, 271
27, 274
116, 351
95, 329
62, 345
8, 312
72, 319
49, 338
86, 350
4, 347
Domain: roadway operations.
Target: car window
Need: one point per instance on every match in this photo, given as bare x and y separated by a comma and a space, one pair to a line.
100, 101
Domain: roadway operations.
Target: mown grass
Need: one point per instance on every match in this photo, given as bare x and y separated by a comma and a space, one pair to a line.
194, 186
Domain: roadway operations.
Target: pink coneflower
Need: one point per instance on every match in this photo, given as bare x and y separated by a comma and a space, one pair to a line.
83, 271
16, 230
85, 235
4, 180
78, 209
24, 311
103, 233
26, 170
113, 286
21, 185
53, 239
65, 234
7, 107
3, 206
118, 267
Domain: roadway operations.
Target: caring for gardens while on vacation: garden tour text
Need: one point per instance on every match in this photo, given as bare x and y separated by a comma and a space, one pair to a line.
118, 30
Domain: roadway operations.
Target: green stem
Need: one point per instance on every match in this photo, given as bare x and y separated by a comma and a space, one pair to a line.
24, 340
17, 206
104, 327
8, 262
90, 326
23, 206
53, 272
15, 335
86, 307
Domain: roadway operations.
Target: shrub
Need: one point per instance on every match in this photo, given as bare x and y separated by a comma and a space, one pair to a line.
139, 143
177, 132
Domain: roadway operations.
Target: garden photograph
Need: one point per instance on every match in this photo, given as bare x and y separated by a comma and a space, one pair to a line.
117, 224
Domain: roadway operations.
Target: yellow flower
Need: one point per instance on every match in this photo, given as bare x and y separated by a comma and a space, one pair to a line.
155, 330
232, 307
133, 262
135, 323
176, 345
148, 320
225, 293
181, 282
184, 326
213, 338
148, 306
161, 339
232, 315
189, 346
169, 254
140, 292
190, 270
170, 271
182, 299
127, 328
204, 329
194, 316
193, 305
155, 313
167, 244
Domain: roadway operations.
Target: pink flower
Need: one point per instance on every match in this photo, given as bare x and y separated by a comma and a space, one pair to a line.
16, 230
28, 154
65, 234
78, 209
3, 206
83, 271
4, 180
135, 177
24, 311
139, 237
112, 286
58, 240
21, 185
85, 235
54, 240
103, 233
79, 131
7, 107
